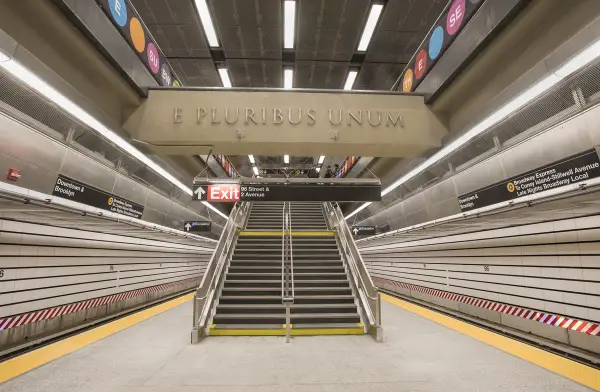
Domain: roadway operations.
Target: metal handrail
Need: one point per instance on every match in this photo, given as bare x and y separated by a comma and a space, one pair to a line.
283, 227
291, 240
205, 293
358, 269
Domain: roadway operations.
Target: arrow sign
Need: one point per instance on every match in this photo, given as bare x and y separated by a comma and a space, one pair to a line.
363, 230
200, 191
195, 226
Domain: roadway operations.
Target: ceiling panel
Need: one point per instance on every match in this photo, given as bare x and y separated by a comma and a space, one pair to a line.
255, 73
196, 72
378, 76
329, 29
249, 28
320, 74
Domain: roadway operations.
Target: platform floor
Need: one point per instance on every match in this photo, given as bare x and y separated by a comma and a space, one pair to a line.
417, 355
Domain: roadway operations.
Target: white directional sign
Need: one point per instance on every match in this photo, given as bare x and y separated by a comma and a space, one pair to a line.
363, 230
193, 226
200, 192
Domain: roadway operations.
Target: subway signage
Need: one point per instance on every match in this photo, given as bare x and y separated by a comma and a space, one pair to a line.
234, 192
447, 27
571, 170
132, 28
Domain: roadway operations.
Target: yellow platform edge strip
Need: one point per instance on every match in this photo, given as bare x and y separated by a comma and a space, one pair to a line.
575, 371
247, 233
23, 363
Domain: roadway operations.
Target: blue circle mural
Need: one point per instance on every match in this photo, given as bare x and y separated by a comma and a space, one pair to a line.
435, 42
118, 9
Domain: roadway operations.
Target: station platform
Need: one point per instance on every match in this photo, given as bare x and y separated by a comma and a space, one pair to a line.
422, 351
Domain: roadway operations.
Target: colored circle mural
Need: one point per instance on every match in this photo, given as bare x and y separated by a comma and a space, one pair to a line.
435, 42
407, 82
176, 83
456, 15
118, 9
153, 57
420, 64
137, 35
165, 74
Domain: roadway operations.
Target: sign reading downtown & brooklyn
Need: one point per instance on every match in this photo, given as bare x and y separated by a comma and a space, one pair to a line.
573, 169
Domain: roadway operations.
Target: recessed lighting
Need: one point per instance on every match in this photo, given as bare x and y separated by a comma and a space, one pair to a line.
225, 77
369, 29
321, 159
574, 64
288, 78
286, 159
318, 169
255, 170
251, 157
350, 80
289, 24
207, 23
43, 88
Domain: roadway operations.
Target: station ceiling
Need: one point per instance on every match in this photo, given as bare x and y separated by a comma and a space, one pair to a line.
251, 34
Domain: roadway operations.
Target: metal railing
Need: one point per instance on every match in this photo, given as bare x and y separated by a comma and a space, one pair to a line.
287, 267
205, 296
369, 295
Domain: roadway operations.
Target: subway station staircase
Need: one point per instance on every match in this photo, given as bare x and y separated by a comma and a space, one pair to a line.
286, 269
250, 301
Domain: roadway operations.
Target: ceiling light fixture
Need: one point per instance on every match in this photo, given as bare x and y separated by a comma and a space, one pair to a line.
255, 170
286, 159
43, 88
207, 23
225, 77
251, 157
321, 159
289, 24
318, 169
350, 80
369, 29
576, 63
288, 78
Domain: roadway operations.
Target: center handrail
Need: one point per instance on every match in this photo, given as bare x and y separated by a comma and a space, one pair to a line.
291, 240
283, 230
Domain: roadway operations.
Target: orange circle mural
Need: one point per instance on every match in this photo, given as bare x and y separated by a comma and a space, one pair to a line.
137, 35
407, 81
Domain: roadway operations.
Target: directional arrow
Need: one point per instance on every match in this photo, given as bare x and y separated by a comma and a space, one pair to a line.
187, 227
200, 191
355, 231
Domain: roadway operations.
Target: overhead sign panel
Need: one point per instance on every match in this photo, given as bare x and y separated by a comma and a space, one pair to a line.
71, 189
363, 230
197, 226
567, 171
267, 122
447, 27
134, 31
231, 193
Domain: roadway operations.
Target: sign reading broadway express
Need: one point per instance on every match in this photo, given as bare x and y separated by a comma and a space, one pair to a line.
567, 171
231, 193
67, 188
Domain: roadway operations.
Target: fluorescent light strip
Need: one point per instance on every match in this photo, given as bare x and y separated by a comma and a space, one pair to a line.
321, 159
576, 63
225, 77
286, 159
207, 23
255, 170
251, 157
350, 80
367, 34
39, 85
289, 24
318, 169
288, 78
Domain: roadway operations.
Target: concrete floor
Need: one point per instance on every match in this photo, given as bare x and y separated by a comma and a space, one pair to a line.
417, 355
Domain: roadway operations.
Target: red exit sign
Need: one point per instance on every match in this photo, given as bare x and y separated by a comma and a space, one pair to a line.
223, 193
